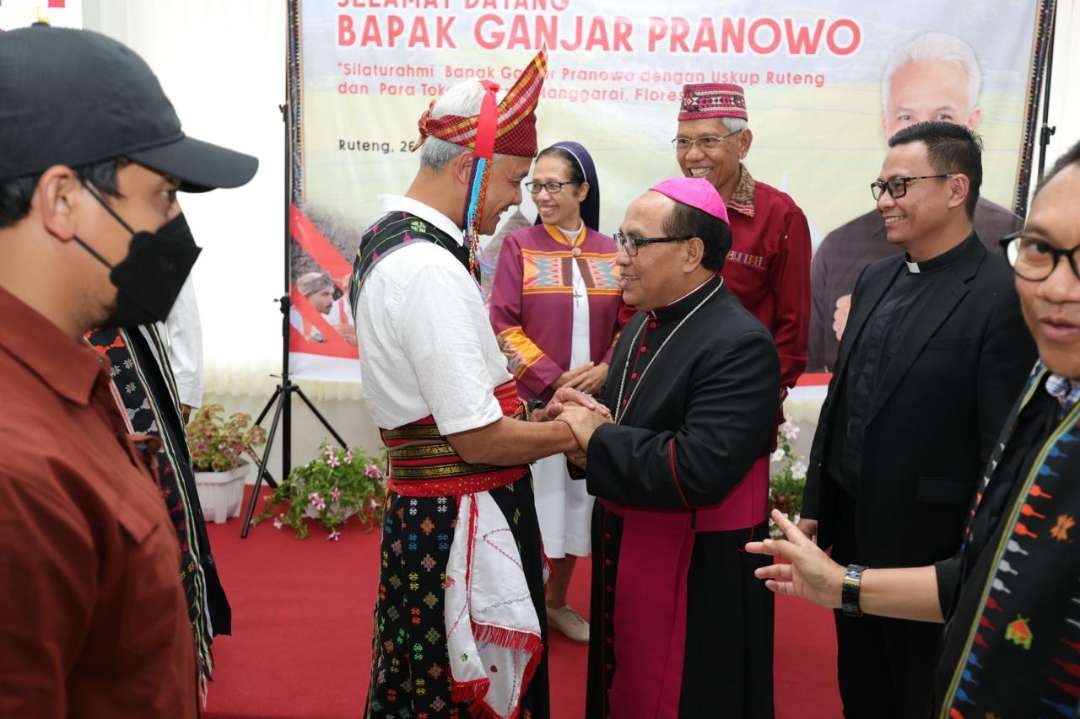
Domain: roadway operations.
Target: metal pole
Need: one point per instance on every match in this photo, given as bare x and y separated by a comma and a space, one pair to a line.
1046, 131
286, 419
283, 393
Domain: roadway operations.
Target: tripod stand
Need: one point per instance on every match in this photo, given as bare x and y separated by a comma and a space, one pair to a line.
281, 399
1046, 131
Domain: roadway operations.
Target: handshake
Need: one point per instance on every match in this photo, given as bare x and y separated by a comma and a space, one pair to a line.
581, 412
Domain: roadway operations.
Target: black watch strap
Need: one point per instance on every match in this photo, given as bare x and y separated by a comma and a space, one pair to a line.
849, 592
532, 405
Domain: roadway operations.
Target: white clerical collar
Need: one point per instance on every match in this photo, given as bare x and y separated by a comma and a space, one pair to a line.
400, 203
945, 258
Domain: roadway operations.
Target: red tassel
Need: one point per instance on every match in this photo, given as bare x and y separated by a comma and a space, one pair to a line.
468, 691
508, 638
474, 691
526, 680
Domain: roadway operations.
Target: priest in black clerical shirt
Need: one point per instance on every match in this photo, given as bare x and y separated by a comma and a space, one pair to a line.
1011, 646
934, 352
680, 626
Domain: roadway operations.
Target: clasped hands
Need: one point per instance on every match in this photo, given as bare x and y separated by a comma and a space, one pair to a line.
581, 412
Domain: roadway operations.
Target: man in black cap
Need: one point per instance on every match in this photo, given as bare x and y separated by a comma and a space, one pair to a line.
94, 618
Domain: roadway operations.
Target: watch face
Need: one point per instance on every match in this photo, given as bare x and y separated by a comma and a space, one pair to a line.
849, 590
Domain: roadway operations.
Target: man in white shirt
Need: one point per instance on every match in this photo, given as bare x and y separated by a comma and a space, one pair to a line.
459, 623
183, 328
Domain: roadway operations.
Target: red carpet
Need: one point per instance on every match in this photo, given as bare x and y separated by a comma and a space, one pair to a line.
302, 633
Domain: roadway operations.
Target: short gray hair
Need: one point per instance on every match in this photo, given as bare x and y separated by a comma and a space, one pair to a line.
462, 99
934, 47
734, 124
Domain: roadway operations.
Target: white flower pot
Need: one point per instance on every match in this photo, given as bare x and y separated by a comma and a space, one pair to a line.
221, 494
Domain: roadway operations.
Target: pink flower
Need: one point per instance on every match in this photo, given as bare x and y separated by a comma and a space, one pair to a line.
334, 536
317, 502
332, 460
277, 522
335, 494
348, 457
373, 472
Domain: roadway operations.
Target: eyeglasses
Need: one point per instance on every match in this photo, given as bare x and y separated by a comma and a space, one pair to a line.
709, 142
1034, 259
897, 186
552, 187
631, 245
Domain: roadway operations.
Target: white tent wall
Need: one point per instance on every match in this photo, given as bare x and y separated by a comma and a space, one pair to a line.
222, 63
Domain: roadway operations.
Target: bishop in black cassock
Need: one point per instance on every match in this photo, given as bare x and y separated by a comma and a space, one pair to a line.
680, 626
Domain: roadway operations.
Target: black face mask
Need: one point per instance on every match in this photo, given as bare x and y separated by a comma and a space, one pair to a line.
149, 279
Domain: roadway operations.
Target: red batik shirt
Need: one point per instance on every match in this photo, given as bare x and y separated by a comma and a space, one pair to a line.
768, 268
93, 620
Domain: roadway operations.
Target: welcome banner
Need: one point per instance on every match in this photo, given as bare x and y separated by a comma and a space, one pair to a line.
22, 13
362, 72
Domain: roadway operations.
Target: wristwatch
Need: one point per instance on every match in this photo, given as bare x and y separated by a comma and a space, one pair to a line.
849, 591
532, 405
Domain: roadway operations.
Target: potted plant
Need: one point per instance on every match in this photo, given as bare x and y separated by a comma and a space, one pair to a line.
787, 481
218, 445
335, 485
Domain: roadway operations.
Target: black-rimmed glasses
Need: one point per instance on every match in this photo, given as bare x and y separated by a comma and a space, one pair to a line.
897, 186
1036, 259
631, 245
552, 186
707, 143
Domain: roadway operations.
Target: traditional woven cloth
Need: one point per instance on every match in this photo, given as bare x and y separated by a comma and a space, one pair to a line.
508, 128
492, 630
424, 464
516, 116
136, 370
703, 101
1020, 648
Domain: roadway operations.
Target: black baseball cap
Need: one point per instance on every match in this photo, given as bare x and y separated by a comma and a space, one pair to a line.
74, 97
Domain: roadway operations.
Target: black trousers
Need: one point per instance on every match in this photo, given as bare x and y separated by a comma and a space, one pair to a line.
885, 666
